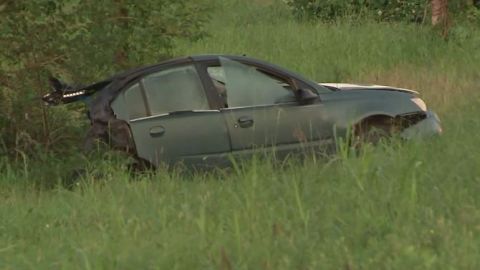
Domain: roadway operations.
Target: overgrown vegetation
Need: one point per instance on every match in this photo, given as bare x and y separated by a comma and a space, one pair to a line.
413, 11
79, 41
417, 11
408, 205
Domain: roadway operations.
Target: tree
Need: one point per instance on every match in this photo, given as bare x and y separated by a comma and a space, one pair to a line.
78, 40
439, 11
440, 15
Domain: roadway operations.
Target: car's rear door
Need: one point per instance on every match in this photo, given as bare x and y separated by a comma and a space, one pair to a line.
171, 118
261, 110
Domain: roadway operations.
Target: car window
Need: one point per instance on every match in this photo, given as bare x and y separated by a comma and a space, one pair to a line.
134, 102
217, 73
176, 89
218, 78
242, 85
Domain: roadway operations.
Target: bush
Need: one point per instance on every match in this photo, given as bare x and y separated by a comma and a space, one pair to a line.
79, 41
383, 10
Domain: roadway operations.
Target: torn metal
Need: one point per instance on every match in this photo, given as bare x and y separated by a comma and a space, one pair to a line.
105, 127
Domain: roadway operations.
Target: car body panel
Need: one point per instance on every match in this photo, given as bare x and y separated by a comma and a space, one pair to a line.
180, 138
427, 127
350, 86
346, 108
286, 124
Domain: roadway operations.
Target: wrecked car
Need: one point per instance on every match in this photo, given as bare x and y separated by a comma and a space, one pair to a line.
204, 109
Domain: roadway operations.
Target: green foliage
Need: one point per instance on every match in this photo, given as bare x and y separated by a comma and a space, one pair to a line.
382, 10
472, 15
409, 205
401, 206
79, 41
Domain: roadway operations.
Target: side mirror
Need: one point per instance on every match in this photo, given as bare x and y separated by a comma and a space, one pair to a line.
307, 96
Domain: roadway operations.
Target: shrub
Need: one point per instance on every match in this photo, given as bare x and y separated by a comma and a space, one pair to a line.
78, 41
382, 10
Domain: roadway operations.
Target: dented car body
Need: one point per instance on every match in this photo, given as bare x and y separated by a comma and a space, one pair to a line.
200, 110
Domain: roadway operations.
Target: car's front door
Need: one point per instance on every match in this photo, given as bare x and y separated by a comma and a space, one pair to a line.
261, 110
171, 120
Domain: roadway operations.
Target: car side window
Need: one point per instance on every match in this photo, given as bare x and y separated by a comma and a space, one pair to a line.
241, 85
218, 78
134, 102
175, 89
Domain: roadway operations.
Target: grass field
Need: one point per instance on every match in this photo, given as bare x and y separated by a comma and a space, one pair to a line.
412, 205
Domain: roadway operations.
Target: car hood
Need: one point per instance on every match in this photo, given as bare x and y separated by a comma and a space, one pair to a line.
348, 86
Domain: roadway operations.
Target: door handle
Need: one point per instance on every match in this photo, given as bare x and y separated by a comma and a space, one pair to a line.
157, 131
245, 121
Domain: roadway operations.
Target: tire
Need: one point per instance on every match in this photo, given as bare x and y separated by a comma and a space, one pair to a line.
374, 130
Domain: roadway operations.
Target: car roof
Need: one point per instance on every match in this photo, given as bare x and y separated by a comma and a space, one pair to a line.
188, 59
138, 71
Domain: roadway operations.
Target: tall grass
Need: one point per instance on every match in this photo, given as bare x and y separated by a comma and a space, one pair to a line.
411, 205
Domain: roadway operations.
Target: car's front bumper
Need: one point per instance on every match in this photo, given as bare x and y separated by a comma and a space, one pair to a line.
429, 126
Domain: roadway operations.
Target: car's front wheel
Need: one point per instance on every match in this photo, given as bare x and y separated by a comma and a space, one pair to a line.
373, 129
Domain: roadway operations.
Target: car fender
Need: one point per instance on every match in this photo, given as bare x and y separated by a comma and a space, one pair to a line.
348, 108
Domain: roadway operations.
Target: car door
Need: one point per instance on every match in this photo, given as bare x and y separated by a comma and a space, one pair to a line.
261, 110
171, 120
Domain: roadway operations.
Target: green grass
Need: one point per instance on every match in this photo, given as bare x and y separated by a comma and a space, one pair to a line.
408, 205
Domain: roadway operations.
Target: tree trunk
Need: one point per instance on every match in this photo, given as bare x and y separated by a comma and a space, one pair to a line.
440, 16
439, 11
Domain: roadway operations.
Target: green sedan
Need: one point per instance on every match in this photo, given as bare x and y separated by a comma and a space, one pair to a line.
202, 110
